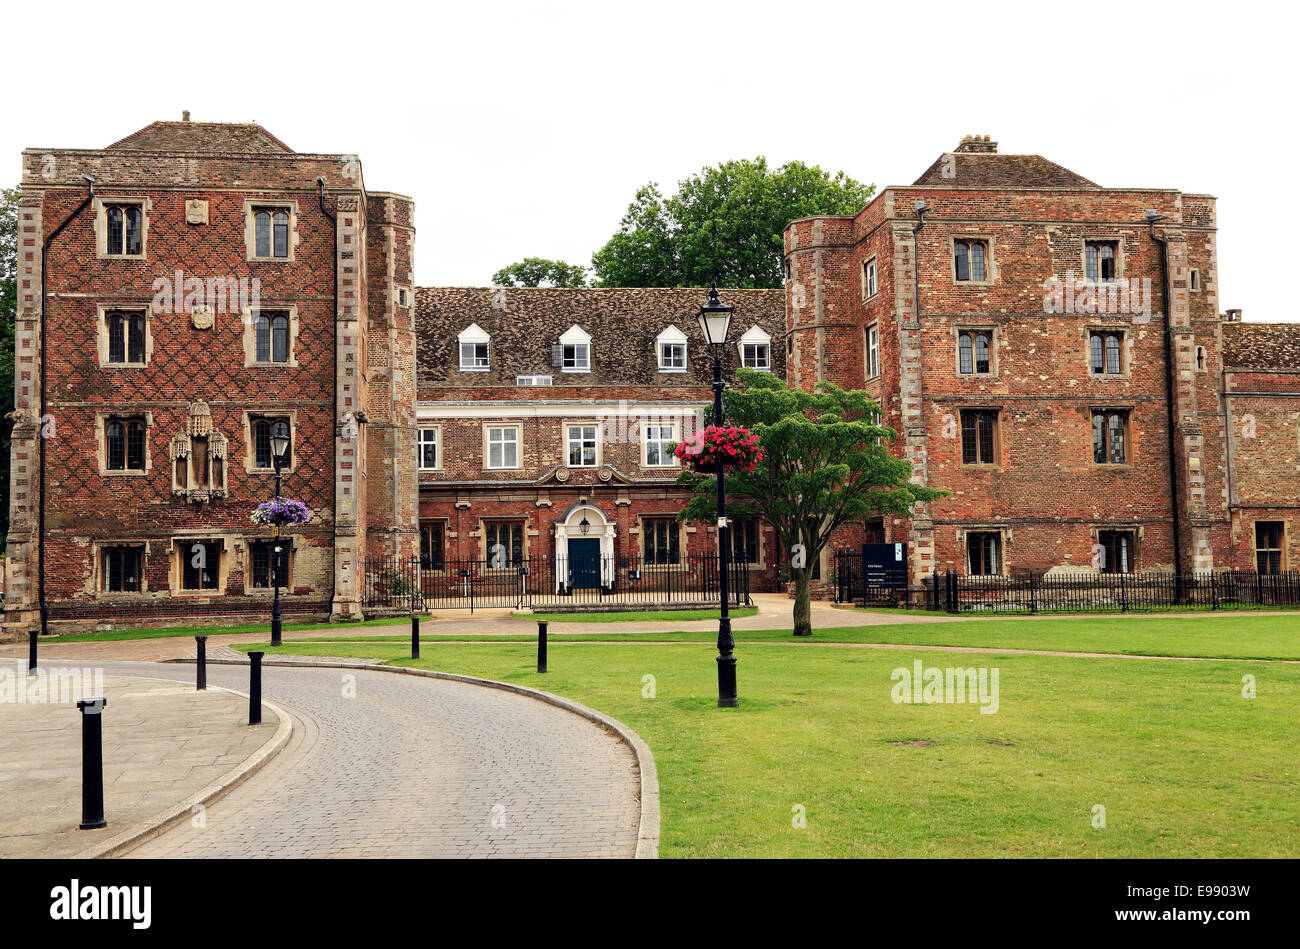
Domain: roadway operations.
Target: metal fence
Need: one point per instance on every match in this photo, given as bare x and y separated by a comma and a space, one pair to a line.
407, 584
1111, 593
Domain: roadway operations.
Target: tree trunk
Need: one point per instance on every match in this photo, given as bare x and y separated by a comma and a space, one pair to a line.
802, 603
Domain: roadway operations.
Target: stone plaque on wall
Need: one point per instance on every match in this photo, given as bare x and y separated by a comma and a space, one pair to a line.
196, 212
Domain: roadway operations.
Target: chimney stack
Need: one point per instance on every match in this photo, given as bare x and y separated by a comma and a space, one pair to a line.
1232, 316
978, 144
185, 116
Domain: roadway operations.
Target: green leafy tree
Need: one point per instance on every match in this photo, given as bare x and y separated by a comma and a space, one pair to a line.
723, 226
825, 463
8, 313
538, 272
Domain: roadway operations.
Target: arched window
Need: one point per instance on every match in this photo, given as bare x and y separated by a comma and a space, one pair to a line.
973, 349
272, 337
124, 229
115, 445
271, 233
124, 444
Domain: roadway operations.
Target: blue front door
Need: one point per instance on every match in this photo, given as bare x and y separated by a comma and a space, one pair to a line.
584, 563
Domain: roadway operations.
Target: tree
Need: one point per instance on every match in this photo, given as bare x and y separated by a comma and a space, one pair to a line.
824, 464
723, 226
8, 313
538, 271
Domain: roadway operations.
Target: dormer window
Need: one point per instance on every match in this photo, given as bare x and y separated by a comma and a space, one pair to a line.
475, 349
671, 348
756, 350
573, 352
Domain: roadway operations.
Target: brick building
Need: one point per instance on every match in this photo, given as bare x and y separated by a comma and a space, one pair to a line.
202, 283
1051, 352
541, 408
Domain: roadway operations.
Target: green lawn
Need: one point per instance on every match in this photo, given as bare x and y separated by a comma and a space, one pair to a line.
1184, 765
644, 616
1213, 637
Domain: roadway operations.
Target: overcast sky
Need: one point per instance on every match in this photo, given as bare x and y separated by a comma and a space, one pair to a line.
525, 129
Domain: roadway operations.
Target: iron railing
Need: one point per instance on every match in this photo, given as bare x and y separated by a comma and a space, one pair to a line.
1111, 593
412, 584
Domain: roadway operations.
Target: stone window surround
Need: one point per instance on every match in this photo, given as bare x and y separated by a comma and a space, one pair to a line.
866, 352
1193, 280
97, 577
990, 259
246, 423
1136, 530
180, 546
1006, 537
869, 262
1125, 350
997, 411
101, 333
995, 339
101, 224
251, 206
447, 534
1283, 541
102, 418
1120, 254
244, 550
526, 536
1130, 441
519, 446
250, 338
642, 425
682, 554
437, 440
600, 442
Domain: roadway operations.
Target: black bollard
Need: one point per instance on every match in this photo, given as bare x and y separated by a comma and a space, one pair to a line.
541, 646
201, 666
92, 763
255, 688
415, 636
31, 651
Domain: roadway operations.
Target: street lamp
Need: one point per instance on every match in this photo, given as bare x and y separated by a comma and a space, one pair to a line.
279, 449
715, 321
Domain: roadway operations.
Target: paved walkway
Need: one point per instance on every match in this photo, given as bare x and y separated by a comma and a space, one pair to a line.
385, 765
164, 742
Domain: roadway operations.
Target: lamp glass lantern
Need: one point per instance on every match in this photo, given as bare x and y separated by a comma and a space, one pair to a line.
584, 525
715, 320
280, 442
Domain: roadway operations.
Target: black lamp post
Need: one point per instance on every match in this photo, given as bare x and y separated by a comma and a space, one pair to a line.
715, 321
279, 448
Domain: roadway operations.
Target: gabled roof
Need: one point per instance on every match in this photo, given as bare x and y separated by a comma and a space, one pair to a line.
1261, 345
203, 137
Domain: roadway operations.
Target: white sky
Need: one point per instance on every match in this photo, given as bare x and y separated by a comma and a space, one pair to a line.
525, 129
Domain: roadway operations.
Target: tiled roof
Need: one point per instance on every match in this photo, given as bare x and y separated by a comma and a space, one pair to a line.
991, 170
623, 324
203, 137
1261, 345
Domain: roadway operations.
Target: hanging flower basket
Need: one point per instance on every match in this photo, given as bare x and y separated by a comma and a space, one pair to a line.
281, 512
736, 448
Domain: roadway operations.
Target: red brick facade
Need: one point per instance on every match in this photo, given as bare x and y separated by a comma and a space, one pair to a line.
161, 368
1040, 490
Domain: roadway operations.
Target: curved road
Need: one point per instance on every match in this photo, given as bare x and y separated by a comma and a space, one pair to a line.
386, 765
